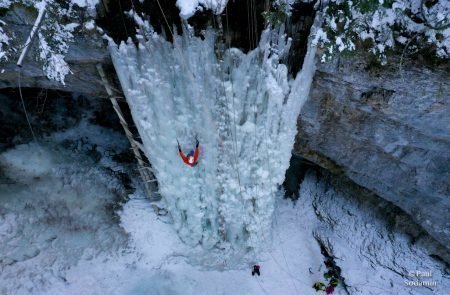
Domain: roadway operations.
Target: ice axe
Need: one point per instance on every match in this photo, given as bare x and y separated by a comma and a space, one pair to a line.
179, 148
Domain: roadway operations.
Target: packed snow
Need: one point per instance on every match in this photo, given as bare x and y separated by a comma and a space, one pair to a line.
189, 7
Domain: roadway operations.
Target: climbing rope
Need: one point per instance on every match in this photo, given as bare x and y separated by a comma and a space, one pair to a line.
183, 62
236, 164
235, 156
253, 27
277, 225
23, 105
123, 20
165, 19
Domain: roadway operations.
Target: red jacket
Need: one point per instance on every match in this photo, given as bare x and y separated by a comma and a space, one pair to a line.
186, 158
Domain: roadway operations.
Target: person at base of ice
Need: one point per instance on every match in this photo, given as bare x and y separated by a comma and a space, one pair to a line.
319, 286
331, 274
256, 270
192, 157
334, 282
329, 290
329, 263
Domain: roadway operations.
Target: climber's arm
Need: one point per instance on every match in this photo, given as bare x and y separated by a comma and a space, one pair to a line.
196, 152
183, 157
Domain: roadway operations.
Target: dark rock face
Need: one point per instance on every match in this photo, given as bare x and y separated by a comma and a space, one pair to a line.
387, 131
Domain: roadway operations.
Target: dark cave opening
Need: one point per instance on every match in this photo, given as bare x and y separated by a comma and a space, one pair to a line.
120, 26
242, 23
295, 174
298, 26
51, 111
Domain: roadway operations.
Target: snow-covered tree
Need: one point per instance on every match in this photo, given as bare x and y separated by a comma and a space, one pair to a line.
54, 36
380, 25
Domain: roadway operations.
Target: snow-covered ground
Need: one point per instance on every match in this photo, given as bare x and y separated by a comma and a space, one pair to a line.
367, 236
60, 235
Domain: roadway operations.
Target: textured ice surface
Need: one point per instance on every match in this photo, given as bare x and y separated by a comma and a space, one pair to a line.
243, 109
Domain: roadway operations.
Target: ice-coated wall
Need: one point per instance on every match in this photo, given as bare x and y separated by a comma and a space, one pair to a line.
242, 107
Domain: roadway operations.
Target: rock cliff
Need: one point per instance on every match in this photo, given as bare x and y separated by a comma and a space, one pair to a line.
388, 130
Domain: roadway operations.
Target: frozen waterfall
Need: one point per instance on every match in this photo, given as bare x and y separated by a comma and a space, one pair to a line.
242, 107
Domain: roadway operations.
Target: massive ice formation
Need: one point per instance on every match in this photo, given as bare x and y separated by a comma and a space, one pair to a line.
242, 107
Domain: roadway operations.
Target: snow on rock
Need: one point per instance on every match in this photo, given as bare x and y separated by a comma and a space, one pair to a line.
425, 23
89, 5
85, 3
54, 35
4, 41
89, 25
189, 7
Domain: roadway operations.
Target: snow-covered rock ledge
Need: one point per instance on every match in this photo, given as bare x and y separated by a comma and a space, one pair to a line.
84, 52
385, 130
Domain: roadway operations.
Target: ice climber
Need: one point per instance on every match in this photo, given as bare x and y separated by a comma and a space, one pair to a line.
319, 286
192, 157
256, 270
329, 290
